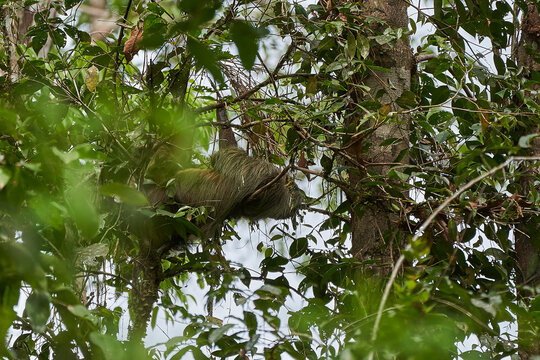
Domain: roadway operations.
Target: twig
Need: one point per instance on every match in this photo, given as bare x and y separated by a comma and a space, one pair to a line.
270, 183
249, 92
423, 57
121, 35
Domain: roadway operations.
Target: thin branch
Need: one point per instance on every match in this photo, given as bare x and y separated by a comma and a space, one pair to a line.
250, 92
424, 57
327, 212
285, 56
121, 35
270, 183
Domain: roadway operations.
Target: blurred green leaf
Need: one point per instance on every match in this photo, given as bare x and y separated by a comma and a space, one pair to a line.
204, 57
111, 348
525, 141
5, 175
38, 310
124, 193
217, 334
407, 100
246, 38
83, 212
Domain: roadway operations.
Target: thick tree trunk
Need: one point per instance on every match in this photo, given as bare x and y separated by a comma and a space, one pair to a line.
14, 22
375, 225
528, 234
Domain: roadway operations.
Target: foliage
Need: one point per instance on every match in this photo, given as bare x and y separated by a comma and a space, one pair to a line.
75, 153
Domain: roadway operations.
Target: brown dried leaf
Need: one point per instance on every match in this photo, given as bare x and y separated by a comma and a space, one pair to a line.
385, 109
131, 46
484, 121
303, 163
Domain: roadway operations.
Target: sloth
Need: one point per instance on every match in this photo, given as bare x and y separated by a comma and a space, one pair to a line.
235, 185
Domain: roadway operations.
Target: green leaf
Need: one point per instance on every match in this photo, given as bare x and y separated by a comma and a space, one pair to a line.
468, 234
39, 40
205, 57
66, 157
300, 11
156, 8
82, 210
474, 355
336, 65
362, 46
8, 123
412, 26
217, 334
76, 34
407, 100
250, 320
390, 141
38, 310
398, 175
499, 64
246, 39
185, 227
195, 351
311, 86
298, 247
124, 193
326, 163
442, 136
535, 304
48, 211
383, 39
5, 176
525, 140
292, 137
452, 230
498, 254
274, 290
59, 37
81, 311
440, 95
155, 31
112, 349
71, 3
326, 43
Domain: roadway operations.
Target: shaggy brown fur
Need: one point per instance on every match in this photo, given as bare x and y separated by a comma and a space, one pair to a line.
227, 187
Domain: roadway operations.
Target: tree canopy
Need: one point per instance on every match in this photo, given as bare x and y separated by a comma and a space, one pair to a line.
410, 129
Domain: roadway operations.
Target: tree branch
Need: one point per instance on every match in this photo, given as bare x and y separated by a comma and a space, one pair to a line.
250, 92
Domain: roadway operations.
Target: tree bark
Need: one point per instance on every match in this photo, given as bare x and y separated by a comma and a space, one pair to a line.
14, 22
375, 226
528, 231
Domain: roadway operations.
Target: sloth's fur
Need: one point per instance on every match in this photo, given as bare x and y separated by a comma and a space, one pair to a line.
227, 186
